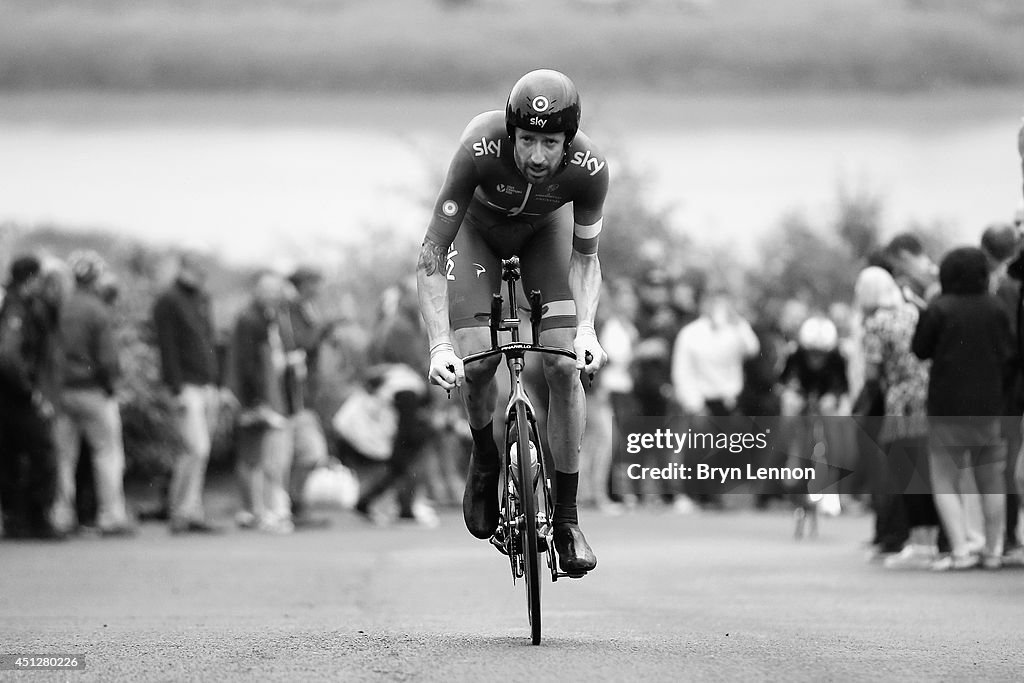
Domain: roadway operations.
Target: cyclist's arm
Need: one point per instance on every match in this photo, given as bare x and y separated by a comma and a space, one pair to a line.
433, 290
585, 285
584, 266
431, 268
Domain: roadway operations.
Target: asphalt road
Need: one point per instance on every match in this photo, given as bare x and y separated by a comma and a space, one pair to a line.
714, 596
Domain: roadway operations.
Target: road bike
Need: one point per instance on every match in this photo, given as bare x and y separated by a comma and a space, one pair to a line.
524, 530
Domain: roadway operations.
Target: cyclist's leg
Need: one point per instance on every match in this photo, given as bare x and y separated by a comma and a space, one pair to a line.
545, 266
474, 274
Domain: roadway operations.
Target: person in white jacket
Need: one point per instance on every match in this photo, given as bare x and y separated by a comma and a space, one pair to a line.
708, 356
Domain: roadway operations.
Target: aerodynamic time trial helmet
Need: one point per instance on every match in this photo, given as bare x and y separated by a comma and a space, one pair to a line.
544, 101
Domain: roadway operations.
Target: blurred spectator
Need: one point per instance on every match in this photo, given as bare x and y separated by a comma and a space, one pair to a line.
619, 337
183, 320
708, 357
707, 365
913, 268
88, 407
1001, 243
310, 443
265, 442
395, 379
761, 371
1016, 271
761, 396
109, 288
652, 397
27, 458
891, 370
384, 424
917, 275
657, 316
966, 334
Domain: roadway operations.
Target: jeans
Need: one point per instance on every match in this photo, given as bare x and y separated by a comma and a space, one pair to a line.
197, 419
92, 414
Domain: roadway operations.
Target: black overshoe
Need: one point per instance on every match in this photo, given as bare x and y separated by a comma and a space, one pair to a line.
574, 554
480, 500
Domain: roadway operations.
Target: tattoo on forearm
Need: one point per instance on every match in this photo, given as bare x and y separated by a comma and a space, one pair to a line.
432, 257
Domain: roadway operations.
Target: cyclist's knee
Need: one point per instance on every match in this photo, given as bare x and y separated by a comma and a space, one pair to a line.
479, 372
470, 340
560, 371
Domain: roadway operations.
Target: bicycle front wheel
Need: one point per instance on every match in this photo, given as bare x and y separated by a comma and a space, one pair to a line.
528, 498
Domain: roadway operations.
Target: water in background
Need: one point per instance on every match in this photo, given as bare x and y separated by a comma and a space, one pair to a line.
276, 179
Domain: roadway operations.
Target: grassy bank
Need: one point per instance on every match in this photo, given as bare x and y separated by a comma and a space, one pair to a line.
428, 45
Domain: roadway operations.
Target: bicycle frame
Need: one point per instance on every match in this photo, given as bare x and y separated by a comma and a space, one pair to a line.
524, 523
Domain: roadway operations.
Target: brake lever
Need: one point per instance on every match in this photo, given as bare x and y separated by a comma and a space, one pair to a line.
588, 358
451, 368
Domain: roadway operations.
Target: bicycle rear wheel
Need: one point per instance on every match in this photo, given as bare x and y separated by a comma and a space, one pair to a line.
528, 499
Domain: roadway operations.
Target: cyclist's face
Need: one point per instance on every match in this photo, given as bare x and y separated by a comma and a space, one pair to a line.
538, 155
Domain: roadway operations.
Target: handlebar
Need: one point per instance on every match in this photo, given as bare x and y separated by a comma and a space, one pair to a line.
517, 350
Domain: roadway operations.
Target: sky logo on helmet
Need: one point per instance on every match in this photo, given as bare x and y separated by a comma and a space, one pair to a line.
485, 147
538, 121
540, 104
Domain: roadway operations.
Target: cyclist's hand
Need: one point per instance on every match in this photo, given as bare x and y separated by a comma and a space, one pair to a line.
446, 369
589, 354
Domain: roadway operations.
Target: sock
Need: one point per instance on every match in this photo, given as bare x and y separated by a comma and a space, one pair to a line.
485, 451
566, 485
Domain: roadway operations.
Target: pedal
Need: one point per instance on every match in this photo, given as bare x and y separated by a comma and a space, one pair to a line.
498, 539
565, 575
544, 533
499, 543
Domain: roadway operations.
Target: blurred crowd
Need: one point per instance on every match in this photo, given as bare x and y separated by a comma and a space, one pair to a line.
260, 379
917, 381
337, 411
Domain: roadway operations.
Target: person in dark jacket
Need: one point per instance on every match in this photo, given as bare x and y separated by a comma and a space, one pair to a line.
310, 443
966, 334
28, 467
260, 349
88, 407
183, 321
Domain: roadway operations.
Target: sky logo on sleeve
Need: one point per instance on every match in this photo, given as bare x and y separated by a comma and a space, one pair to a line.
485, 147
587, 161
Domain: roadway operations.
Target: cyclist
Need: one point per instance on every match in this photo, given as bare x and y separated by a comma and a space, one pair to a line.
506, 193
